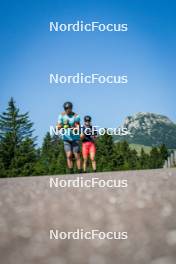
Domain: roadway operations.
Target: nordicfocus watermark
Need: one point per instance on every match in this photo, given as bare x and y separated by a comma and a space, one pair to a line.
93, 78
81, 26
81, 234
94, 131
81, 182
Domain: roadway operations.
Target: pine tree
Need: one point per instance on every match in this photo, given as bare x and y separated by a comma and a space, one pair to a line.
144, 160
58, 164
52, 157
119, 159
163, 153
16, 142
24, 161
155, 158
104, 154
132, 159
125, 158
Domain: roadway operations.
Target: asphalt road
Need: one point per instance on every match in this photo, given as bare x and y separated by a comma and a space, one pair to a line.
145, 210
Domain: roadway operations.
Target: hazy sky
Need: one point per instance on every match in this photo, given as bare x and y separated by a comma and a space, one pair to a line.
146, 53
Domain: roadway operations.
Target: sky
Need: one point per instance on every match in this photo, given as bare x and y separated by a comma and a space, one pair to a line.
29, 52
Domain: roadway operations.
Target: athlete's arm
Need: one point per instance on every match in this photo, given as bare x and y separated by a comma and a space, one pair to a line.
59, 126
77, 121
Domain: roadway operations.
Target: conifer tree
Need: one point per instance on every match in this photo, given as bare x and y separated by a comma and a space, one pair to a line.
143, 160
163, 153
105, 153
155, 158
52, 157
17, 144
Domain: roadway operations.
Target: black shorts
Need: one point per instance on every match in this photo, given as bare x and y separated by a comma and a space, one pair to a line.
72, 146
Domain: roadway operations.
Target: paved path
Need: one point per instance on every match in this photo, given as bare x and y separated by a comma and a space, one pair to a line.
146, 210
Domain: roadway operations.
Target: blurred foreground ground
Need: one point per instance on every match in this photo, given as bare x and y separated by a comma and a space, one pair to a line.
146, 209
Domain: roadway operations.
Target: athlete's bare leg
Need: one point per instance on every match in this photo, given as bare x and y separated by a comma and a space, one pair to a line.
78, 160
85, 164
92, 157
69, 156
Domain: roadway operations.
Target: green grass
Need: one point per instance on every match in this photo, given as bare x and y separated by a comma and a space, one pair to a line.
138, 147
147, 149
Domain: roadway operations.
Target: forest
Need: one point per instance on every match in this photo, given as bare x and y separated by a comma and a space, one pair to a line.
21, 156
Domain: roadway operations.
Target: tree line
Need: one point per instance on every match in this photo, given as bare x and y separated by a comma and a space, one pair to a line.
20, 156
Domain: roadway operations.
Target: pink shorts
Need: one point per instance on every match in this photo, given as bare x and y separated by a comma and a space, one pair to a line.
87, 148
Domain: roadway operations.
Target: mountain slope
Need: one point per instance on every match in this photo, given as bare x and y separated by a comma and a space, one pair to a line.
150, 129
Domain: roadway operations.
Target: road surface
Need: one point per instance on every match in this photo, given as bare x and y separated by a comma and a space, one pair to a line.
145, 210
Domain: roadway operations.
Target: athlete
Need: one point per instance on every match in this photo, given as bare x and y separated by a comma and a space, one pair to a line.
88, 144
69, 122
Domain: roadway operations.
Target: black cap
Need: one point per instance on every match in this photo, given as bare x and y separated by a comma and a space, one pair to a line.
87, 118
67, 105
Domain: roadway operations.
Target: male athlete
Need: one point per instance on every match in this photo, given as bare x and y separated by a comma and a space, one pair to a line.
88, 144
69, 122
